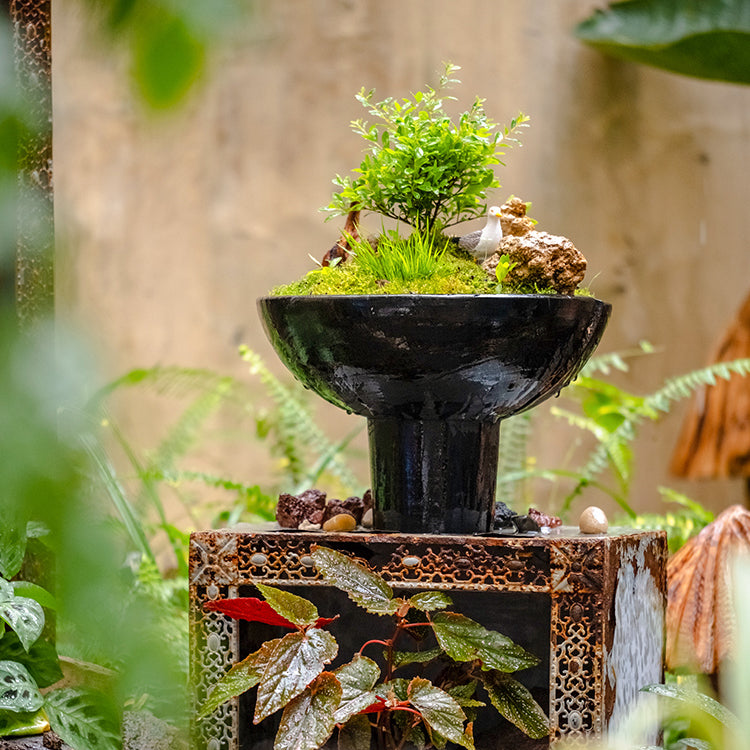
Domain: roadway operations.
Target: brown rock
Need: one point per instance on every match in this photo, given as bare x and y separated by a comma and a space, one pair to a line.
333, 507
513, 218
541, 260
291, 510
367, 499
543, 519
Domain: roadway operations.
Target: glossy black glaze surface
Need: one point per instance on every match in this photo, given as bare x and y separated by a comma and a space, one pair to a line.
427, 359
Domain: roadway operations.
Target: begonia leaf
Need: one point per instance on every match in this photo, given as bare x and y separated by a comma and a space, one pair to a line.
362, 586
356, 734
241, 677
307, 721
293, 608
402, 658
298, 658
429, 601
249, 608
439, 711
514, 701
465, 640
357, 679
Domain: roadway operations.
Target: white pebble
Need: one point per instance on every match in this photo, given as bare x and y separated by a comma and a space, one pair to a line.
593, 520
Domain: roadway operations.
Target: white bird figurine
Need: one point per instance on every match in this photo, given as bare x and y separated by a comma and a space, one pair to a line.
482, 243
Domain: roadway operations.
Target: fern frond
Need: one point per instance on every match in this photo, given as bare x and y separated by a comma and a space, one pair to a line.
173, 381
255, 500
611, 451
184, 434
513, 457
605, 363
581, 422
296, 426
682, 386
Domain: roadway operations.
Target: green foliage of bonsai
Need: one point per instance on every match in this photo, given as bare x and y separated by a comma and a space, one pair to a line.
369, 701
423, 168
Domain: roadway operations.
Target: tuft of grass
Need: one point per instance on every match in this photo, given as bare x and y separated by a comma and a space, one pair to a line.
394, 258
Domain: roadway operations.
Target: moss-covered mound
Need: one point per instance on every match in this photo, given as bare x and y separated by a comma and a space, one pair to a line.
454, 275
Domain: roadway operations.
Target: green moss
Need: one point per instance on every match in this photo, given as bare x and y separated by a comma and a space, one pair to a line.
454, 275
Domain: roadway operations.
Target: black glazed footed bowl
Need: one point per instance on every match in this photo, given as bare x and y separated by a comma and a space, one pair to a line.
434, 375
480, 357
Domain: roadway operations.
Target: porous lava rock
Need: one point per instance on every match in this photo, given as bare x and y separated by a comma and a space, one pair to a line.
540, 260
544, 519
513, 218
309, 505
503, 516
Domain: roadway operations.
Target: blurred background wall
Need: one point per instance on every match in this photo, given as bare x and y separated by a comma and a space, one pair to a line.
170, 228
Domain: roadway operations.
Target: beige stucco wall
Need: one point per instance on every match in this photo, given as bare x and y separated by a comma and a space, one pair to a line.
170, 229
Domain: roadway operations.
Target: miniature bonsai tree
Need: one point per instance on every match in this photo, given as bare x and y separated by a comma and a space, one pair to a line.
369, 702
421, 167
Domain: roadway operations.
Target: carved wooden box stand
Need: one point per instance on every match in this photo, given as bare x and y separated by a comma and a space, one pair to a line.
591, 607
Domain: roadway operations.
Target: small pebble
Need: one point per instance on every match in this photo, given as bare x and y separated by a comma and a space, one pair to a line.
305, 525
593, 520
340, 522
367, 518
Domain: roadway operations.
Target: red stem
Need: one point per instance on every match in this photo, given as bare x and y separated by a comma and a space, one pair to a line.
382, 643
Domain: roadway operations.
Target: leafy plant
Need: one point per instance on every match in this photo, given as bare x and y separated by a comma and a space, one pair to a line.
362, 697
504, 267
612, 416
703, 38
29, 663
422, 167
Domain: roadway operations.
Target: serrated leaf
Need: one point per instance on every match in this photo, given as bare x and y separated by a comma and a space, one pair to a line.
77, 716
356, 734
297, 659
242, 676
41, 659
465, 640
464, 695
250, 609
24, 616
357, 679
361, 585
290, 606
18, 691
402, 658
439, 711
429, 601
307, 722
397, 689
516, 704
